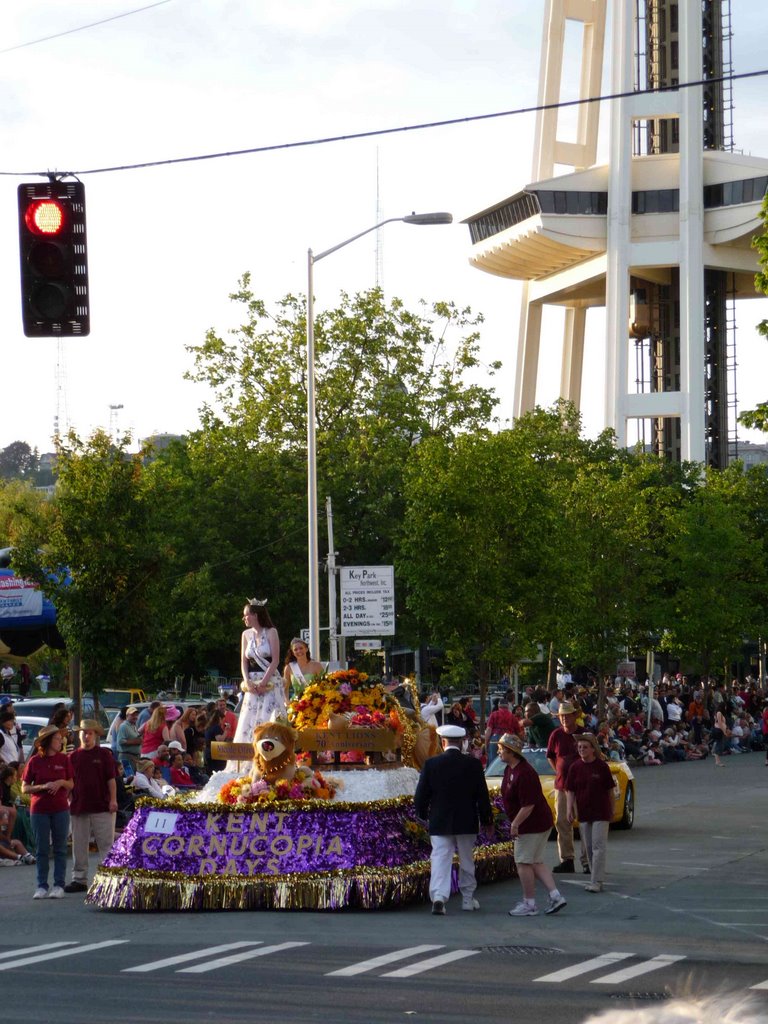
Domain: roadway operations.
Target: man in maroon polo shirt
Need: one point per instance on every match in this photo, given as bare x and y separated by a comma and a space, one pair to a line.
94, 801
561, 753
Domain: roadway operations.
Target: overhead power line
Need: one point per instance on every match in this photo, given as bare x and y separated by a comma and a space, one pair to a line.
377, 132
82, 28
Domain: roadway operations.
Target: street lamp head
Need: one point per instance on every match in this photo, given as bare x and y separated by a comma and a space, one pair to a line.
428, 218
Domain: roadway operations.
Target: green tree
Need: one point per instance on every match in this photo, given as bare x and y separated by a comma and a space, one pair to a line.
94, 553
18, 460
387, 380
715, 573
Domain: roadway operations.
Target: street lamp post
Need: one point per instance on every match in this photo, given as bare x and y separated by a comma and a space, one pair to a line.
313, 556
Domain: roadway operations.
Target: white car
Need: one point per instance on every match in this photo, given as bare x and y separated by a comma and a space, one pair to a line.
30, 726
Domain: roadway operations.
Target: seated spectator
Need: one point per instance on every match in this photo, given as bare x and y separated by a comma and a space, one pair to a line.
180, 776
146, 781
199, 777
671, 746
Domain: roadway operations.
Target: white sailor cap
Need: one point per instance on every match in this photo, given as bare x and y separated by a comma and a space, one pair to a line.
451, 732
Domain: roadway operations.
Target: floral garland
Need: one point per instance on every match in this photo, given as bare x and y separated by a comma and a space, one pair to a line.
305, 785
360, 697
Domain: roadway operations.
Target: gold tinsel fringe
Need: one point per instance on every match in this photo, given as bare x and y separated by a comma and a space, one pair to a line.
355, 888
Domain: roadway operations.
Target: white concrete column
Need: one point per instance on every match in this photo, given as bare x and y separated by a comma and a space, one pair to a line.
691, 234
527, 355
573, 354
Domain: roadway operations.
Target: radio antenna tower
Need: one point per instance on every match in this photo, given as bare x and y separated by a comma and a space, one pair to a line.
61, 417
379, 247
113, 418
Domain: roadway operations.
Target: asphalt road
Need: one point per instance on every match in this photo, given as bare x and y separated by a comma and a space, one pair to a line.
686, 908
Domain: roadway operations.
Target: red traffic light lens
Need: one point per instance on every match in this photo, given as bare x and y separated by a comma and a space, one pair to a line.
45, 217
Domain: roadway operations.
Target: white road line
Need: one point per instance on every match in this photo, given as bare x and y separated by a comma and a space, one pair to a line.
237, 958
380, 961
663, 960
173, 960
35, 949
62, 952
433, 961
762, 986
606, 960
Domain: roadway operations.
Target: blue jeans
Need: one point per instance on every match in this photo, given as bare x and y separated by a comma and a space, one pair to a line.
51, 829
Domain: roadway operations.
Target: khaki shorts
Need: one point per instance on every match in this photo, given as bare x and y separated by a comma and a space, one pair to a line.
530, 849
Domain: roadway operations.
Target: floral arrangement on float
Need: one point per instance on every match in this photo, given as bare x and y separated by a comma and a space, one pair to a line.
305, 785
345, 697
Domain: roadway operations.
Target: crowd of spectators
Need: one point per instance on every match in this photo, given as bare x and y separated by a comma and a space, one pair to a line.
675, 720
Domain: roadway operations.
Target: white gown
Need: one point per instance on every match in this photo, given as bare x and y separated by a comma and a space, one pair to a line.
257, 707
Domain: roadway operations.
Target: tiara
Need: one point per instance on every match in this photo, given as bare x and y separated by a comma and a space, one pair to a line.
255, 602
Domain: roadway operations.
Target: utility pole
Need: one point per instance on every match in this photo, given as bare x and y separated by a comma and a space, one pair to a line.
333, 643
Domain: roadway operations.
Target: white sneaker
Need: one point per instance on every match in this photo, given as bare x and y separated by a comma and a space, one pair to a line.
56, 893
40, 894
524, 909
470, 904
555, 904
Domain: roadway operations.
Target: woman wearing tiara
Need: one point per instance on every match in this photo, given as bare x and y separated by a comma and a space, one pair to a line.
299, 667
262, 686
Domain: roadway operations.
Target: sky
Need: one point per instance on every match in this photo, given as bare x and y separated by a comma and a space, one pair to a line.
167, 245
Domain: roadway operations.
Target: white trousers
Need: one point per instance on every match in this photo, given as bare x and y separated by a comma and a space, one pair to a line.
595, 836
443, 849
103, 827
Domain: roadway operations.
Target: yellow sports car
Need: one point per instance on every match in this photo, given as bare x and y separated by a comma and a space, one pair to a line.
623, 781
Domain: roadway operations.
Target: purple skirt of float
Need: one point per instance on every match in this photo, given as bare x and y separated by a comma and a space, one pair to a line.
286, 855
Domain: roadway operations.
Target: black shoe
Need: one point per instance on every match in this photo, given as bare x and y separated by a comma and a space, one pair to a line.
438, 907
585, 869
565, 868
76, 887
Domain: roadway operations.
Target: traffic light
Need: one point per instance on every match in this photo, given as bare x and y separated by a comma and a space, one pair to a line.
54, 262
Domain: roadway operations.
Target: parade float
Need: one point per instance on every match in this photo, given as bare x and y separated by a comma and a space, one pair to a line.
324, 820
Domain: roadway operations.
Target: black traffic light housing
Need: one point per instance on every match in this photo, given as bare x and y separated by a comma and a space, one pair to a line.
54, 259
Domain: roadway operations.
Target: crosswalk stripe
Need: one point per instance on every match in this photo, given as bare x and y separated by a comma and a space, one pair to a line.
61, 952
35, 949
236, 958
428, 965
171, 961
380, 961
663, 960
606, 960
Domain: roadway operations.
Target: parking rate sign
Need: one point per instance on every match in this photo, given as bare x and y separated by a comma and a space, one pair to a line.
367, 600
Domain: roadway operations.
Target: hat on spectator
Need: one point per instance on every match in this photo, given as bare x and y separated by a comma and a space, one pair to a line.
132, 710
175, 745
451, 732
566, 708
172, 713
144, 765
45, 732
5, 699
92, 724
511, 742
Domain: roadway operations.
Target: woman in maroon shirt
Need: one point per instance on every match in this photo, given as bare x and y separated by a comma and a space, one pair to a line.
530, 822
589, 790
48, 780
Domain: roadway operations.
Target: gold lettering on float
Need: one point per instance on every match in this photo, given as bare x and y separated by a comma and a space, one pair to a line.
235, 822
273, 866
195, 846
213, 822
279, 822
172, 845
238, 845
207, 867
254, 848
231, 868
253, 865
319, 846
217, 844
151, 850
304, 843
334, 846
281, 845
259, 820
